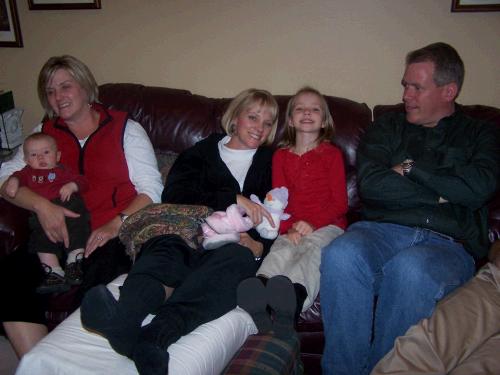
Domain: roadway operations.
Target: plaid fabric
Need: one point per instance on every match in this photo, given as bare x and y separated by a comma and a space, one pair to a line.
157, 219
267, 355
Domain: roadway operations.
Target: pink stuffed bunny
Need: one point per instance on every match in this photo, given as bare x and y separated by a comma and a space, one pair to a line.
222, 227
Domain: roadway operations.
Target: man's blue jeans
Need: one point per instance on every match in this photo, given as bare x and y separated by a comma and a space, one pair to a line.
408, 269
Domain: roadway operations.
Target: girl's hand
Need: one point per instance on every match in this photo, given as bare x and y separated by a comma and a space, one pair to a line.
255, 246
303, 227
66, 191
101, 235
293, 236
255, 211
52, 219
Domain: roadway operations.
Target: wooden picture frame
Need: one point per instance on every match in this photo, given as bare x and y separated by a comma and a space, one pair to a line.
63, 4
10, 31
475, 6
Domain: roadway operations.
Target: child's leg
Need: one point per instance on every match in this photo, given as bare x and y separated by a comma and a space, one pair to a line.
251, 293
79, 232
51, 260
54, 280
307, 259
74, 267
74, 255
276, 262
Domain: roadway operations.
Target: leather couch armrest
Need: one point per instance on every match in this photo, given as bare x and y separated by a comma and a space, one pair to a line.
13, 227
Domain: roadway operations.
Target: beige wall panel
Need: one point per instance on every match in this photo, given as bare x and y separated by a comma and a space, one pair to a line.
348, 48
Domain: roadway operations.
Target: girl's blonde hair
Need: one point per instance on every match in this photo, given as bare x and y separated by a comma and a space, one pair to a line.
77, 69
326, 133
246, 99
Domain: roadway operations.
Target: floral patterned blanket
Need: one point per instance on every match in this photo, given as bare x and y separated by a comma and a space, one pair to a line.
163, 218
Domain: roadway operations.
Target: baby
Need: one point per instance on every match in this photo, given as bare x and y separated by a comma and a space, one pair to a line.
44, 176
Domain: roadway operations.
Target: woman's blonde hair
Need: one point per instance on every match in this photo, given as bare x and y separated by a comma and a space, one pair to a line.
326, 133
246, 99
78, 70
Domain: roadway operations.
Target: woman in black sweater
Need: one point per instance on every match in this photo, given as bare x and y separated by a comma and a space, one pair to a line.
186, 287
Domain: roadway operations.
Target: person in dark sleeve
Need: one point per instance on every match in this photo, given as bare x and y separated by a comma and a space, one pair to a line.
424, 179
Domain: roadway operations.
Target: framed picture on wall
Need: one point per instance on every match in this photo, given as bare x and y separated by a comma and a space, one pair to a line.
64, 4
475, 6
10, 31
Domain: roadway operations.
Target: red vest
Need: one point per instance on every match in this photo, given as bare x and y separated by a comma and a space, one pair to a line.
101, 160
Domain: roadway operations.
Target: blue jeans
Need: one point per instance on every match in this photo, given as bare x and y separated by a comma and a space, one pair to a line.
408, 269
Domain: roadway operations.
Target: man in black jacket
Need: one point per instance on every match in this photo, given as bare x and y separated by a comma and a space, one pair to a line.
424, 179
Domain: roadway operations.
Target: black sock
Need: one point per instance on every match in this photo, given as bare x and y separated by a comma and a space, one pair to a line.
150, 354
120, 321
140, 295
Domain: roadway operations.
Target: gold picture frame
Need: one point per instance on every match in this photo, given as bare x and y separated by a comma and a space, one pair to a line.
63, 4
475, 6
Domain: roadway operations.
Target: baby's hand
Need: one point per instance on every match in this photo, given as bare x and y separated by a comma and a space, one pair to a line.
303, 227
12, 186
293, 236
67, 190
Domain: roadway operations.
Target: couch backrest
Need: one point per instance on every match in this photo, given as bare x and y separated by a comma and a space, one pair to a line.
482, 112
176, 119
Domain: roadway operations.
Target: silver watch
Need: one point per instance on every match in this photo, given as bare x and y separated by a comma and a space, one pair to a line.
407, 165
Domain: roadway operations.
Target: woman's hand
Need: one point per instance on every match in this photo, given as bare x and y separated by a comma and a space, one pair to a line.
255, 211
101, 235
52, 218
110, 230
255, 246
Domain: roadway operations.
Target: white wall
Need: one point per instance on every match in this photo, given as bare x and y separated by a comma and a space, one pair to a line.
348, 48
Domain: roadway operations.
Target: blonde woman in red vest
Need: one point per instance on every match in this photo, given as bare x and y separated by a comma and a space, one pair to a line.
115, 154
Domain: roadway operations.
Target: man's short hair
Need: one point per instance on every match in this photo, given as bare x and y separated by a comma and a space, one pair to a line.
448, 65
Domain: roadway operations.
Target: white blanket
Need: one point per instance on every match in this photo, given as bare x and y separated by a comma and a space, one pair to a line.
70, 349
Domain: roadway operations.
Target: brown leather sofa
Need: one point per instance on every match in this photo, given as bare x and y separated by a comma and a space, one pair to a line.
176, 119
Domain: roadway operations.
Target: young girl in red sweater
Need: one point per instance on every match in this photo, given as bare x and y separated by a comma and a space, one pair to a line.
312, 169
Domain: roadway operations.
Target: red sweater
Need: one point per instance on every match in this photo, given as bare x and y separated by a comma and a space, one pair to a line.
316, 185
48, 182
101, 160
